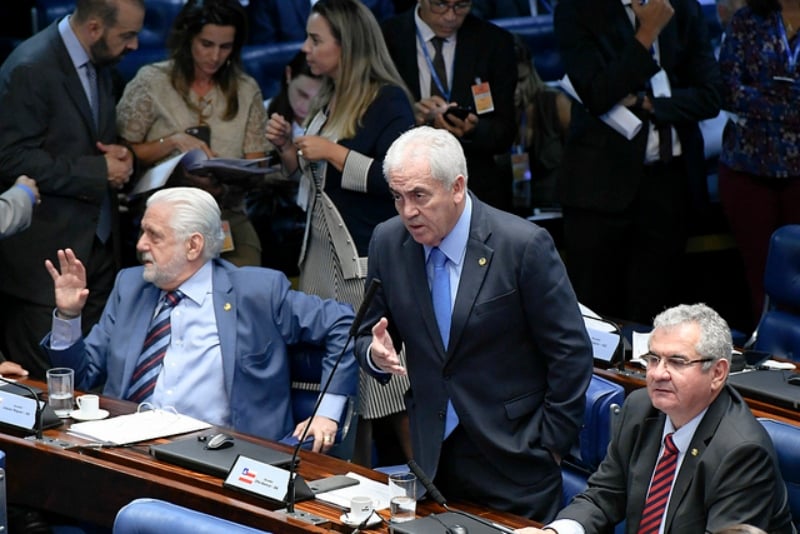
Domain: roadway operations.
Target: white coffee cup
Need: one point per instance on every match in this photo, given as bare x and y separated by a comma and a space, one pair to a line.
88, 404
361, 507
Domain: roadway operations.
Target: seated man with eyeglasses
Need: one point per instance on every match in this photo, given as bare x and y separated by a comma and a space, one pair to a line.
687, 454
462, 73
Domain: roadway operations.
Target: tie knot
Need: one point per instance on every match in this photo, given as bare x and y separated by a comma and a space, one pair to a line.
438, 258
669, 445
172, 298
437, 43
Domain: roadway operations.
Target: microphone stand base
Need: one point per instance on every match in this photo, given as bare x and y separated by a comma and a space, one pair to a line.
52, 442
304, 516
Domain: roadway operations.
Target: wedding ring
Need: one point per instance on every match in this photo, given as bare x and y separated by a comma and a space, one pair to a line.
326, 439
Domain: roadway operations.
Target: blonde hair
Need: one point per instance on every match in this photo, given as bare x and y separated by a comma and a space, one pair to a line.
364, 67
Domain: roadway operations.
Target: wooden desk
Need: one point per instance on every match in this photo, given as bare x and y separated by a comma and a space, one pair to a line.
633, 378
93, 484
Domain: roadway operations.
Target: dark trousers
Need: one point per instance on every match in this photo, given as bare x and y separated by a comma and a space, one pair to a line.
465, 474
25, 322
755, 207
627, 264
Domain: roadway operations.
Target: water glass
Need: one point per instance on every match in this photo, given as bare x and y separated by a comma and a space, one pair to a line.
403, 503
61, 390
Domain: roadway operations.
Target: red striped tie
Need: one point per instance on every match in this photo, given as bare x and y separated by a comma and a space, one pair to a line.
656, 502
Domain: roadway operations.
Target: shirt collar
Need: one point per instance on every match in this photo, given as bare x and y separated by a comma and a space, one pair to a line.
199, 284
74, 47
683, 436
454, 244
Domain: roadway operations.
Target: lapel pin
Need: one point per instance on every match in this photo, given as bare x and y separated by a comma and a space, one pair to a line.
482, 262
695, 452
227, 306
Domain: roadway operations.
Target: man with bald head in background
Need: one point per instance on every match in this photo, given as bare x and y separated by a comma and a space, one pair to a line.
58, 126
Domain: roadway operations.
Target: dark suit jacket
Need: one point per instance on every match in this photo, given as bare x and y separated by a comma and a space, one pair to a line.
258, 317
518, 361
733, 478
275, 21
601, 169
47, 132
483, 51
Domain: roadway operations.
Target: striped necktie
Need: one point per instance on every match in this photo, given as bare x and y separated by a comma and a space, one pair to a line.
657, 497
148, 366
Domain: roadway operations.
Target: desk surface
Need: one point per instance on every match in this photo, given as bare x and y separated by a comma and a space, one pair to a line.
93, 484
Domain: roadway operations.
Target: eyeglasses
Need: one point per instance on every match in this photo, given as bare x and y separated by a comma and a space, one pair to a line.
440, 8
672, 363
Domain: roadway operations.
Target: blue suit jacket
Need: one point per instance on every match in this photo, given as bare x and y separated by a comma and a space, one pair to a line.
518, 361
258, 316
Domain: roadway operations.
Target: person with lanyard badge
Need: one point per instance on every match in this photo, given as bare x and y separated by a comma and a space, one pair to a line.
759, 172
461, 72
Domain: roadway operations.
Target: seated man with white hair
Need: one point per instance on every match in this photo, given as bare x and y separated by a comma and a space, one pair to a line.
194, 332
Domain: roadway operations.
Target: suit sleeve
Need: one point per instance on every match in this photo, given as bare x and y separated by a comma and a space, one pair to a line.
376, 310
696, 80
389, 115
26, 99
321, 323
600, 76
16, 210
559, 334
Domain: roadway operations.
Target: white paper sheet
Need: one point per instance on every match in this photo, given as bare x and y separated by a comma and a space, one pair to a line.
139, 426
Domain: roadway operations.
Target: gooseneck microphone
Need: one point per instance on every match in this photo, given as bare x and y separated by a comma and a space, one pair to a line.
292, 485
437, 496
37, 423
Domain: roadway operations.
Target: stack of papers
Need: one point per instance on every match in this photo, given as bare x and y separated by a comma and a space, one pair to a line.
141, 426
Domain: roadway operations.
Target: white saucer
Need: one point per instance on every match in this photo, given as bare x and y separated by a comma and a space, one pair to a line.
374, 519
80, 415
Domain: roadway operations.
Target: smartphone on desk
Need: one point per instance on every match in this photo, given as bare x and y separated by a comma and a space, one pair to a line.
332, 483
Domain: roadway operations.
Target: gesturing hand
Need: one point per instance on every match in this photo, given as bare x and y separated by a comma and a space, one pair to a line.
383, 354
69, 281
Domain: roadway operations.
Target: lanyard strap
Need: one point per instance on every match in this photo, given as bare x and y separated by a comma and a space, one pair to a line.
792, 54
435, 77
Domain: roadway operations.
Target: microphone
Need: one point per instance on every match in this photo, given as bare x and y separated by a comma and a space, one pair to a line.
296, 481
374, 284
37, 422
437, 496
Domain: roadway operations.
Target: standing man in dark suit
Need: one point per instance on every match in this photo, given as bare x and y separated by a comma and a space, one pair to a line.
497, 353
478, 70
627, 202
726, 470
58, 126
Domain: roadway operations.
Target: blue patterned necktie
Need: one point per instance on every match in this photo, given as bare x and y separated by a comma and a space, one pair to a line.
440, 292
148, 366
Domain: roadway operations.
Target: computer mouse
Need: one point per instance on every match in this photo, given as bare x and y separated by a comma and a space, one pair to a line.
219, 441
457, 529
